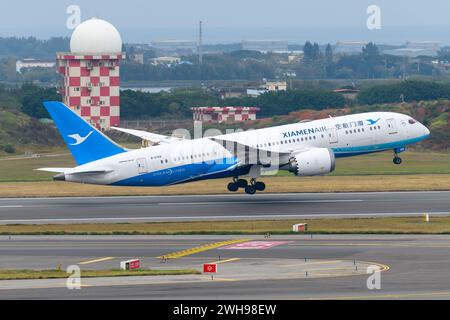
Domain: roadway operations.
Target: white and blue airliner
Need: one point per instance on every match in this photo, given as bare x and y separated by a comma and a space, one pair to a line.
304, 148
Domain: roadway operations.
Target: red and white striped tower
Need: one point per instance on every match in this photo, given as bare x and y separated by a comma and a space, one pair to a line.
91, 73
224, 114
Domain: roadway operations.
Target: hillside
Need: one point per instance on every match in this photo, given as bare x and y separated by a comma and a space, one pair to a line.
434, 114
17, 130
22, 132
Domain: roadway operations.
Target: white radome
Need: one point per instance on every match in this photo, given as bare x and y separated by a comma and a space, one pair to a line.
95, 36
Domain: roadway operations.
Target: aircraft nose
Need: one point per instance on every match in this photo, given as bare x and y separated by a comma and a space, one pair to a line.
426, 131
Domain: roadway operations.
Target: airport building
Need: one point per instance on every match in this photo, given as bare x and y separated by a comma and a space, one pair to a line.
91, 73
33, 63
349, 47
179, 47
265, 45
416, 49
224, 114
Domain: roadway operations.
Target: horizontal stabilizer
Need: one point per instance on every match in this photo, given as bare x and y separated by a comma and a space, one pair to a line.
74, 171
54, 170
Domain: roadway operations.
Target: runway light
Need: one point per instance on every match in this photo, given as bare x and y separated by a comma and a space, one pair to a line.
427, 217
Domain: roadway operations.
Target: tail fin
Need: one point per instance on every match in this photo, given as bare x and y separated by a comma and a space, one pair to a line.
85, 142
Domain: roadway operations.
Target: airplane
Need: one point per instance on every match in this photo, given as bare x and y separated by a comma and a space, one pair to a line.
305, 149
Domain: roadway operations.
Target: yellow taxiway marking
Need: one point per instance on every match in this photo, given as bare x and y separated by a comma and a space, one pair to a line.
206, 247
225, 261
96, 260
384, 267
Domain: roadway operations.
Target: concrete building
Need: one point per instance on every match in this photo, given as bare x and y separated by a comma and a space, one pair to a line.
265, 45
136, 58
275, 85
179, 47
349, 47
33, 63
415, 49
224, 114
91, 73
268, 86
168, 61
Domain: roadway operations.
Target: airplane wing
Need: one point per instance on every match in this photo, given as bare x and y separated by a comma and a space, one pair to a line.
249, 155
152, 137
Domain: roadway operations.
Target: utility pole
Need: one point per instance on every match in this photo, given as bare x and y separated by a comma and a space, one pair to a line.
200, 44
200, 50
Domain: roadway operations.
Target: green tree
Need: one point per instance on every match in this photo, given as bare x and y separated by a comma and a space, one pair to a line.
372, 58
308, 53
31, 98
329, 61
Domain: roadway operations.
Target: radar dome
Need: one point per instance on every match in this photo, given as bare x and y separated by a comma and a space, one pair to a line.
95, 36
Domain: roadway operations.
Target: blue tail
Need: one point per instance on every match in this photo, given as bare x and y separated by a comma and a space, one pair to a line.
86, 143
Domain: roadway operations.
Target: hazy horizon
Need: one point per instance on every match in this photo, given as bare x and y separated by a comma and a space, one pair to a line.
232, 21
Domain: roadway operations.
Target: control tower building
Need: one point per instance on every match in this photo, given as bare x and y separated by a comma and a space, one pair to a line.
91, 73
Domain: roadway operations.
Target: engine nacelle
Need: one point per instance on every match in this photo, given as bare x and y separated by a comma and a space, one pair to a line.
313, 162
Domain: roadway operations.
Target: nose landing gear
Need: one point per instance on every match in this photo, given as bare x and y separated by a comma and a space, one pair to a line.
397, 160
243, 184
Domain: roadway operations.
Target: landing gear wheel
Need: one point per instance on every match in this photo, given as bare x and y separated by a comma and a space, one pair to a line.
233, 187
260, 186
242, 183
250, 190
397, 160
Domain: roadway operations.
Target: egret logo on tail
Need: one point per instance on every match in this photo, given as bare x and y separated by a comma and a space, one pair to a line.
79, 139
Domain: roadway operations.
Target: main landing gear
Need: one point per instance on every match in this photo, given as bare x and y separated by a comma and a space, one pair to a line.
250, 188
397, 160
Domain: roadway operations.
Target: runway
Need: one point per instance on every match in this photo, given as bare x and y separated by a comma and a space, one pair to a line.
220, 207
417, 267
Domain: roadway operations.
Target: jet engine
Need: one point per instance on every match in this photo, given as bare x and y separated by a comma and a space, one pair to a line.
317, 161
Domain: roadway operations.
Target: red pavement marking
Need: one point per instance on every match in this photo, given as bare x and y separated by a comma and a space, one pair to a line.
257, 245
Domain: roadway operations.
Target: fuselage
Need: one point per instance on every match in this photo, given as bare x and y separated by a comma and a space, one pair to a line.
192, 160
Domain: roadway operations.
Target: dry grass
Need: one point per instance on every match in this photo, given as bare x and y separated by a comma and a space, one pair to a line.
413, 225
275, 184
58, 274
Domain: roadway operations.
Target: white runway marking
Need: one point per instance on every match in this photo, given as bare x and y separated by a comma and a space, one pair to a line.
252, 202
10, 207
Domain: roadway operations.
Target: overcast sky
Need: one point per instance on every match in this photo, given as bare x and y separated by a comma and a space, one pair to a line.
228, 20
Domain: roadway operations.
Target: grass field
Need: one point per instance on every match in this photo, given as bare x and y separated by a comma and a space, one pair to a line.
59, 274
385, 225
375, 172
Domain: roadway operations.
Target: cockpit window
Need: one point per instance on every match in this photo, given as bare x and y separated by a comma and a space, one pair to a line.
411, 121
